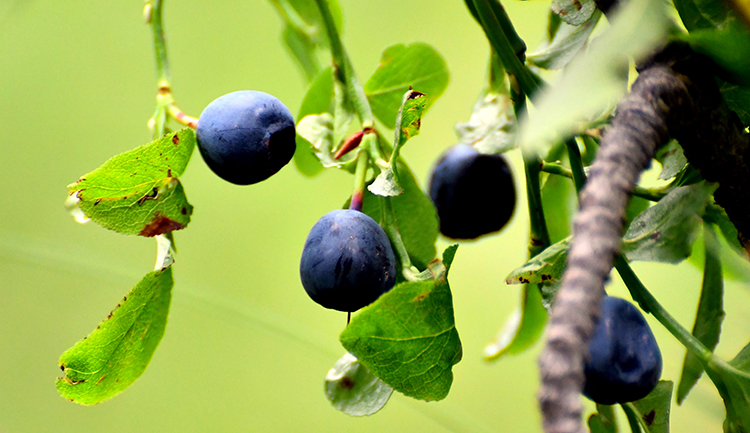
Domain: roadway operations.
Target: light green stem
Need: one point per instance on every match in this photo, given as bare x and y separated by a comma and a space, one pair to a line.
653, 194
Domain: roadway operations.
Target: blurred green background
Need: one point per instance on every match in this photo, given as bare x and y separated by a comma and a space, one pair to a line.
245, 349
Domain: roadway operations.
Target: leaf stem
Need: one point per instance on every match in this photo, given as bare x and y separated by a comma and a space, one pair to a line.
343, 70
165, 104
502, 36
576, 165
653, 194
538, 234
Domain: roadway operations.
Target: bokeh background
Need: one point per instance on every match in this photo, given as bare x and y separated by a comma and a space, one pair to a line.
245, 349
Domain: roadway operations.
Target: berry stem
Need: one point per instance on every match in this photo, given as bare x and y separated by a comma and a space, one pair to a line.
360, 176
388, 221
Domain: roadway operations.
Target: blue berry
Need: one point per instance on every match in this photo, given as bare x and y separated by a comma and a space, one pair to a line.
246, 136
347, 261
473, 193
624, 361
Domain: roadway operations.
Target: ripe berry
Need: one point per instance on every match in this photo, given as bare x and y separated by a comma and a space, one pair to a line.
624, 360
246, 136
347, 261
473, 193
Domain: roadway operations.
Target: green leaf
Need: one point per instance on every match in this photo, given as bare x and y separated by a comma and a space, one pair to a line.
653, 409
567, 41
738, 100
408, 121
636, 206
416, 218
732, 380
317, 100
303, 50
523, 328
417, 66
318, 130
597, 78
729, 48
716, 214
710, 315
574, 12
408, 337
492, 127
354, 390
118, 351
545, 267
671, 158
137, 192
702, 14
666, 231
604, 421
559, 198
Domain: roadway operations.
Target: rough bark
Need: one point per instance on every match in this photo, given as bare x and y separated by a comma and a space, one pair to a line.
658, 100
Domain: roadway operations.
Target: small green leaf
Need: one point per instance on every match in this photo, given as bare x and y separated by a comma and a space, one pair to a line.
710, 315
671, 158
523, 328
492, 127
559, 198
317, 129
416, 218
408, 337
653, 410
137, 192
666, 231
407, 126
545, 267
118, 351
574, 12
417, 66
352, 389
636, 29
567, 41
317, 100
738, 100
604, 421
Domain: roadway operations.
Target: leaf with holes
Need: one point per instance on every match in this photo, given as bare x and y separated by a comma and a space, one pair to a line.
137, 192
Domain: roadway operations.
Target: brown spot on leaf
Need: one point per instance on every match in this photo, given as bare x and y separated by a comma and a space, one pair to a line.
62, 367
347, 383
183, 210
175, 139
97, 201
109, 316
546, 277
124, 298
151, 196
420, 297
101, 379
414, 94
160, 225
649, 417
655, 236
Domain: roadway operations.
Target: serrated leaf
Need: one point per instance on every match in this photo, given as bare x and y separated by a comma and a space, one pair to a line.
710, 315
636, 29
408, 337
408, 121
574, 12
604, 420
738, 100
666, 231
545, 267
492, 127
653, 410
118, 351
137, 192
523, 328
317, 100
672, 159
567, 41
416, 65
416, 218
354, 390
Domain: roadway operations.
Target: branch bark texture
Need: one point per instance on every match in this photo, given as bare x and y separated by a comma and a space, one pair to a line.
657, 102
